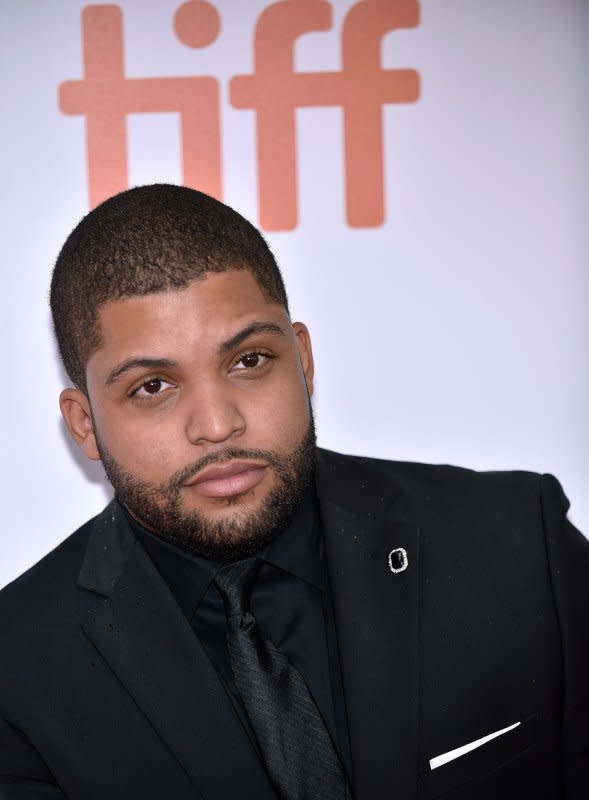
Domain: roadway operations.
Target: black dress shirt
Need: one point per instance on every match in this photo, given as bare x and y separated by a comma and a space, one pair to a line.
291, 601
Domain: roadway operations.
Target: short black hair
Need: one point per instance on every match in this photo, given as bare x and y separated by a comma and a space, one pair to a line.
148, 239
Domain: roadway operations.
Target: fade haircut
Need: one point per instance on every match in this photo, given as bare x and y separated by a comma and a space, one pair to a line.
148, 239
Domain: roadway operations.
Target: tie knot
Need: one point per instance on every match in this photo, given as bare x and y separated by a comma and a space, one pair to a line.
235, 583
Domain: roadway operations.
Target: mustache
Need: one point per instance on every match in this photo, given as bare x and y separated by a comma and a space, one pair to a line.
230, 454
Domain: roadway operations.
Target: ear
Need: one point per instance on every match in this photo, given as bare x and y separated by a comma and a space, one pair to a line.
306, 353
76, 412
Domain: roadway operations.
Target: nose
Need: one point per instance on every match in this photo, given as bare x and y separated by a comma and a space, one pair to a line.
213, 416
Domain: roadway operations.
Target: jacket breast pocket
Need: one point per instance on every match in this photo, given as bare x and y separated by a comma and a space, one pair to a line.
481, 761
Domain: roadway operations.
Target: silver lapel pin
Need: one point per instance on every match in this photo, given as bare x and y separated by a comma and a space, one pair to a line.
398, 561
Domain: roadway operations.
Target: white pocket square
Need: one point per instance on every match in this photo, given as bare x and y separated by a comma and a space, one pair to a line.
438, 761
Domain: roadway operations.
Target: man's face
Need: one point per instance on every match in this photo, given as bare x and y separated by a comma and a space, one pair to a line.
198, 405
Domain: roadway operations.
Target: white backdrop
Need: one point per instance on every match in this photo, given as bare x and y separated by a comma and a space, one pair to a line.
454, 332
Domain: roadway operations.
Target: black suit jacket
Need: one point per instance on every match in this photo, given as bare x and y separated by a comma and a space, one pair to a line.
105, 691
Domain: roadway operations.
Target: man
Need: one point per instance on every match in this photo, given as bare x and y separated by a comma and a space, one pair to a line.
254, 618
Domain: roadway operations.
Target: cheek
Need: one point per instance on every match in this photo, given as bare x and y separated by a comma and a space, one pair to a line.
280, 419
146, 450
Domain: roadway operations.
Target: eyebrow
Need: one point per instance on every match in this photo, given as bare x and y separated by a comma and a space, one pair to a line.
255, 327
135, 363
144, 362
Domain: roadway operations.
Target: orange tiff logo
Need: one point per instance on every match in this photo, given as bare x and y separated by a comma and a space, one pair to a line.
105, 96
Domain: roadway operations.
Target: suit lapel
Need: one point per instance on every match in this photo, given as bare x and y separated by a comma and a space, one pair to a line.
153, 651
376, 615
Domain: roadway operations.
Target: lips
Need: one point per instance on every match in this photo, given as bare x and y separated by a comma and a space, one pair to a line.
229, 479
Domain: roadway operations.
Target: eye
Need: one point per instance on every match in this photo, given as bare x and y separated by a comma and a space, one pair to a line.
252, 361
151, 388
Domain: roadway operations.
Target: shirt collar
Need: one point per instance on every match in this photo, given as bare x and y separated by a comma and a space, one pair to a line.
297, 550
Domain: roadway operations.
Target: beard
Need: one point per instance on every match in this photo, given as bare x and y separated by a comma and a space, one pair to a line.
160, 509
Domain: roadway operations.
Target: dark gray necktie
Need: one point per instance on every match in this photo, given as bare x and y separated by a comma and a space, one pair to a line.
297, 749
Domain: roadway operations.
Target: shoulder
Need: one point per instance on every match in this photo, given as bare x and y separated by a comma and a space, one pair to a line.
441, 498
48, 587
440, 482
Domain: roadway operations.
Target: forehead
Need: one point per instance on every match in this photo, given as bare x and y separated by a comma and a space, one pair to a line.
208, 301
208, 308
